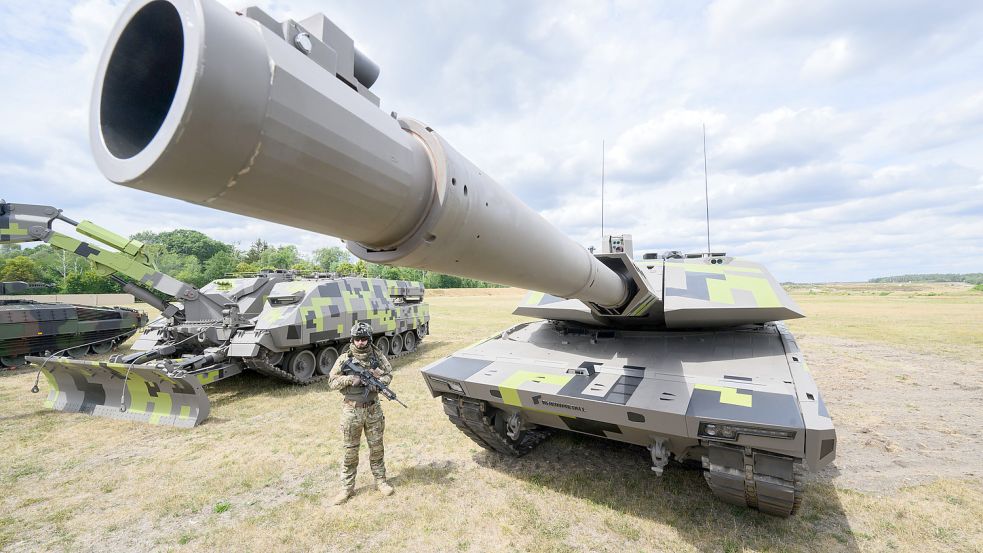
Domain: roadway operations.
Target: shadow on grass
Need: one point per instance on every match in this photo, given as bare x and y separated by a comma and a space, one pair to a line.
15, 371
429, 473
37, 415
618, 476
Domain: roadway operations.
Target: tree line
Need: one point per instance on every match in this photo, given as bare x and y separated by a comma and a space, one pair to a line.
971, 278
193, 257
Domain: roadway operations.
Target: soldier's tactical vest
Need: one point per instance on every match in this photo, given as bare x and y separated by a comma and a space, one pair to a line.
363, 394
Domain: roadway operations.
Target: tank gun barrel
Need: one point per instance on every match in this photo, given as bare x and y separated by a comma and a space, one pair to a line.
275, 120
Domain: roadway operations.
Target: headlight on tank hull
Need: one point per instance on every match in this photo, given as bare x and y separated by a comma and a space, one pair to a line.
449, 385
730, 432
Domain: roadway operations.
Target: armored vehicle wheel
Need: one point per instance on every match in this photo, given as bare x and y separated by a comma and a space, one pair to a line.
396, 343
422, 330
12, 362
409, 341
301, 364
345, 348
383, 344
76, 352
102, 347
274, 357
326, 358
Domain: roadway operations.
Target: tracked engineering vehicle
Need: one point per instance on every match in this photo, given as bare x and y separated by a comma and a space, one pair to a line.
274, 322
29, 327
275, 120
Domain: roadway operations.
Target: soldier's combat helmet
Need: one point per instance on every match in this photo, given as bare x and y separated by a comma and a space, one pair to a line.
362, 329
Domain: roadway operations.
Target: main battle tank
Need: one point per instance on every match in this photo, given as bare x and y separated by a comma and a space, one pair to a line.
29, 327
275, 120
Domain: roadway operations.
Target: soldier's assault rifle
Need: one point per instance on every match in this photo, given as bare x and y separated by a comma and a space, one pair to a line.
353, 367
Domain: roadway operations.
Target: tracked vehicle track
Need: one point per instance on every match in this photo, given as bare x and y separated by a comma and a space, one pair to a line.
478, 421
769, 483
263, 366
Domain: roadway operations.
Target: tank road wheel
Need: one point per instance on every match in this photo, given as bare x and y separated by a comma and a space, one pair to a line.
409, 341
422, 331
383, 344
396, 343
12, 362
76, 352
102, 348
326, 357
274, 357
301, 364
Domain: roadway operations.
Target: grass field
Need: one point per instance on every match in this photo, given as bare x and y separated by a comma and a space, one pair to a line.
899, 368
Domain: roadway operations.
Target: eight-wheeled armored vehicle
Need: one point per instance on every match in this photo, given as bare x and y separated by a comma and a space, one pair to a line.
275, 120
274, 322
29, 327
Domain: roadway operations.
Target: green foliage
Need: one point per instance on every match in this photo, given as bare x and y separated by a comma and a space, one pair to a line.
978, 288
185, 268
345, 268
972, 278
88, 282
186, 242
21, 268
197, 259
255, 251
219, 264
328, 259
304, 267
283, 257
243, 267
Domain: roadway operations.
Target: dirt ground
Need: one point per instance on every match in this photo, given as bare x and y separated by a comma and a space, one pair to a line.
902, 418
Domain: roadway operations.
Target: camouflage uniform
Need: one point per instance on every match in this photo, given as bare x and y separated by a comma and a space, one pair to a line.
361, 410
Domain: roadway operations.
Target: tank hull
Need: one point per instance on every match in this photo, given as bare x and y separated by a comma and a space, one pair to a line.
659, 389
30, 328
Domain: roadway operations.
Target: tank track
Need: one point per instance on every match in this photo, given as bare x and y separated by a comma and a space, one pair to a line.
756, 479
475, 419
262, 366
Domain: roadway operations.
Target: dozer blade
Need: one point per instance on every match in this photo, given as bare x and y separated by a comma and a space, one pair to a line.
147, 394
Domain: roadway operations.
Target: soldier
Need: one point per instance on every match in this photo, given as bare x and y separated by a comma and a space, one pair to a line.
361, 409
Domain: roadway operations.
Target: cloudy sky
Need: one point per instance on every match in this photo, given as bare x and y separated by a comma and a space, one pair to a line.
845, 139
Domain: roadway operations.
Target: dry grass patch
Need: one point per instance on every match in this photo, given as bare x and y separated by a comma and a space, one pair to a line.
259, 473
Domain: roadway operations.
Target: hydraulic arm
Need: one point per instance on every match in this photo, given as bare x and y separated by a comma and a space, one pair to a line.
32, 223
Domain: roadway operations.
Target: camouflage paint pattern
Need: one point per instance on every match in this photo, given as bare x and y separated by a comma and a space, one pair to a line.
304, 311
28, 328
640, 386
688, 293
120, 391
723, 291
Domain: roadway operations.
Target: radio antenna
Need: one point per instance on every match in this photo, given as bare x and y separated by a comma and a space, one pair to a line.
602, 194
706, 185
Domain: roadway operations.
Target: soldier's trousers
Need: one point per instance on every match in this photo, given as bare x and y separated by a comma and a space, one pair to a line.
353, 421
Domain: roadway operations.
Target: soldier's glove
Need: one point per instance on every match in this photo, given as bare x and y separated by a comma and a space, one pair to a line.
377, 373
354, 380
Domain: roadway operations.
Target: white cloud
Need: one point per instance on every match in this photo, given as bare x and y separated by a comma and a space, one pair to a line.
835, 59
843, 137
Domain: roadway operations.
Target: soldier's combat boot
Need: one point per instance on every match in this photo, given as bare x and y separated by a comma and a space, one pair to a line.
343, 496
385, 488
